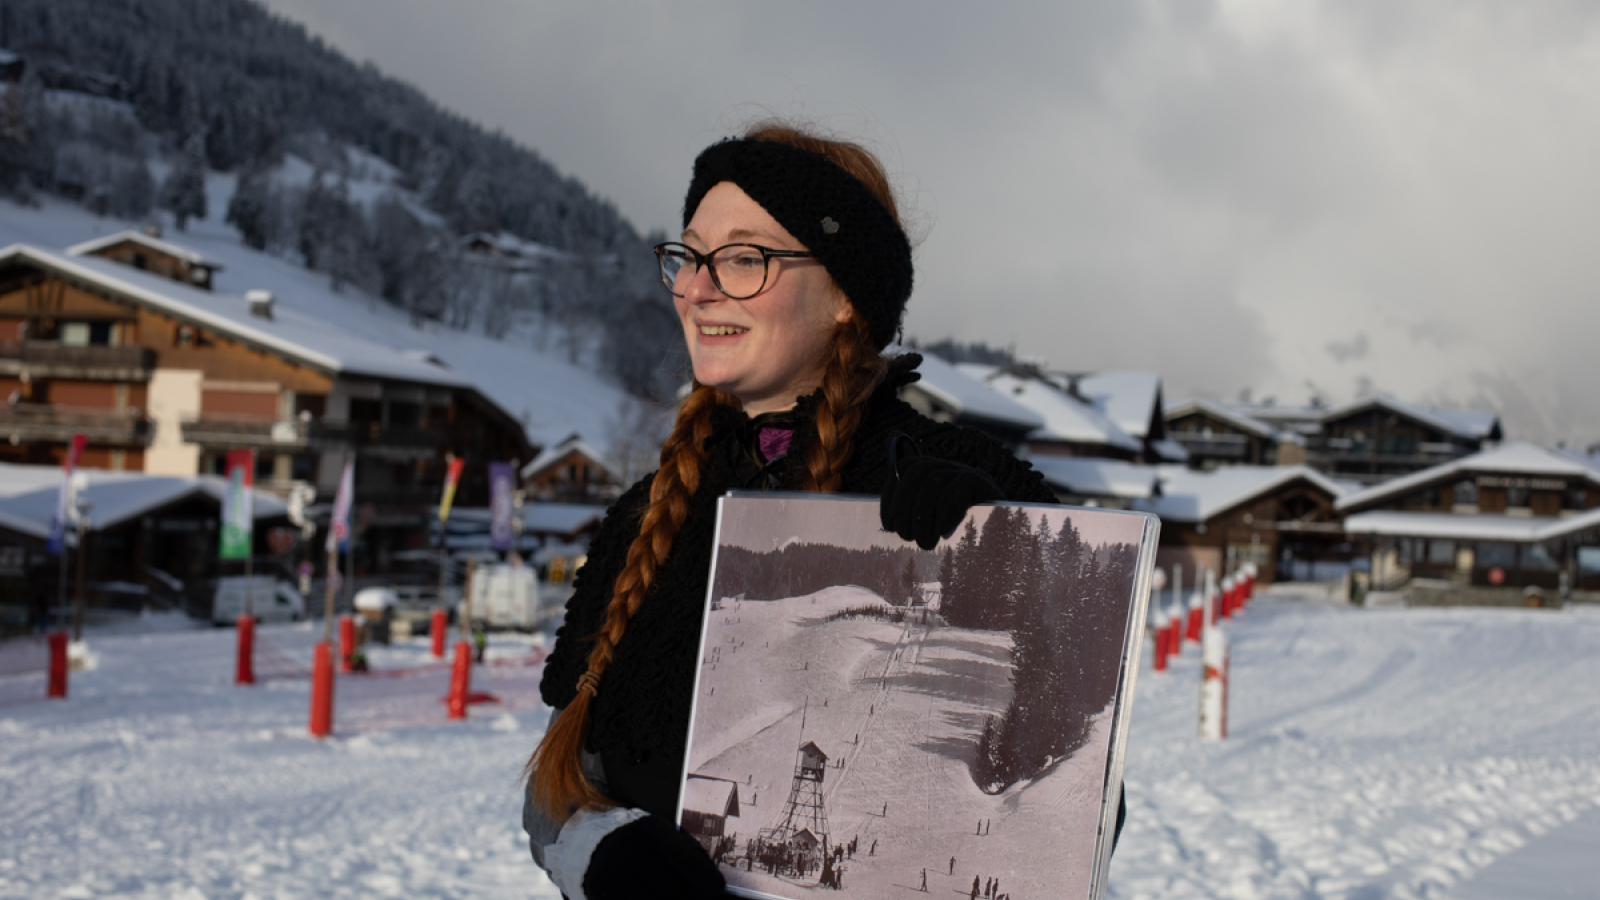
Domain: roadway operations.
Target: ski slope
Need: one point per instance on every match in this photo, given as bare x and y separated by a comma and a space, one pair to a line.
1443, 754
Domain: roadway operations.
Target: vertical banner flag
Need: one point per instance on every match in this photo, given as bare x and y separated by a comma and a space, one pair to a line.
237, 512
58, 523
452, 477
339, 525
501, 484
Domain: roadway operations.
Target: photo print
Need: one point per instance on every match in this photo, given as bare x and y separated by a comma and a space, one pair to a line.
872, 718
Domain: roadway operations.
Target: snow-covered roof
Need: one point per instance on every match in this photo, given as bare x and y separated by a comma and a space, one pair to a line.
1065, 418
1094, 477
1445, 526
1170, 451
7, 57
138, 237
1226, 413
1512, 459
969, 396
711, 796
28, 496
305, 338
541, 518
1129, 398
550, 455
1192, 496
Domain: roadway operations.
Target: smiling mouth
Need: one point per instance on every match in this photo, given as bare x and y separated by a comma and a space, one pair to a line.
718, 330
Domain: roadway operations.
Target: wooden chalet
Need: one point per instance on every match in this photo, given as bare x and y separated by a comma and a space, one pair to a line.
571, 472
1274, 517
708, 804
1505, 520
1215, 435
946, 393
165, 376
1071, 426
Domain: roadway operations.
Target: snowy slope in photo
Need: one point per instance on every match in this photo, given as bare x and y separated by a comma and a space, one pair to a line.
897, 708
550, 396
1448, 754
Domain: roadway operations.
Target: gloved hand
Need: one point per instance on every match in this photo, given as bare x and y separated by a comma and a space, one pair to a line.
651, 858
925, 497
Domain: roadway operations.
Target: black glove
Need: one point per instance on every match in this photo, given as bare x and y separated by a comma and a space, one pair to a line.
925, 497
651, 858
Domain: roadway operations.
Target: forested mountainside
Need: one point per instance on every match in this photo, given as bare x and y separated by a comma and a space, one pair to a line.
127, 105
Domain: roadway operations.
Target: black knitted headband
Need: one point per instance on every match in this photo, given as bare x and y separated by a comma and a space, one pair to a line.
829, 211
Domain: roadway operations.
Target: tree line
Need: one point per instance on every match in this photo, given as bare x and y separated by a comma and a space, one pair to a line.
800, 568
114, 88
1065, 604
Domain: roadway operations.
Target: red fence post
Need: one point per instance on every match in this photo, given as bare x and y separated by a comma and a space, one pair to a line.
1161, 641
58, 664
322, 690
441, 622
460, 681
245, 670
347, 641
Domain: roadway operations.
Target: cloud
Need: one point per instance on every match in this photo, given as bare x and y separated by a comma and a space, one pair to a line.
1355, 348
1210, 189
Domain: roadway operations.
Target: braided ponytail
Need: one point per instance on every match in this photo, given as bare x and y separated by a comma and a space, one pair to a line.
555, 770
853, 371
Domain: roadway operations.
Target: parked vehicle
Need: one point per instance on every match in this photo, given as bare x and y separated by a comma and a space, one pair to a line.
504, 596
271, 600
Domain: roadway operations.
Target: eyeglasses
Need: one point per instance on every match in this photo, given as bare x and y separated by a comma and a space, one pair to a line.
738, 270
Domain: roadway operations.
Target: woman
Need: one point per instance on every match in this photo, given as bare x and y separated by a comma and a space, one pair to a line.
791, 277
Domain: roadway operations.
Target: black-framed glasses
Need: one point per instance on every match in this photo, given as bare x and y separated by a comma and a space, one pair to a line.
738, 270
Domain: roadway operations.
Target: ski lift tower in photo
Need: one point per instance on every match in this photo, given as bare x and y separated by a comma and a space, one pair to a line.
804, 811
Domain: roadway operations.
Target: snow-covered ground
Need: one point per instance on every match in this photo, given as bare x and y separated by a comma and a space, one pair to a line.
1449, 754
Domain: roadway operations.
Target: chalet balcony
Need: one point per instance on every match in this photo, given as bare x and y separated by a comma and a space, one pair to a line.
25, 422
1212, 446
48, 359
220, 431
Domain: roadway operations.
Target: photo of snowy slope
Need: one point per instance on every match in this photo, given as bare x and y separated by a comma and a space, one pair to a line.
873, 719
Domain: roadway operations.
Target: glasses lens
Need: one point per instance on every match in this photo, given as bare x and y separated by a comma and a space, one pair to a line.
677, 266
741, 269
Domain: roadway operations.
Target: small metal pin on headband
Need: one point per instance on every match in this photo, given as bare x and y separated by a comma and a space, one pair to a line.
829, 226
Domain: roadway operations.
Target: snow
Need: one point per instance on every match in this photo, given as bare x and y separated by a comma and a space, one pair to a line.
967, 395
28, 496
1226, 413
1188, 495
1480, 527
1065, 418
1094, 477
1516, 458
1446, 754
1130, 399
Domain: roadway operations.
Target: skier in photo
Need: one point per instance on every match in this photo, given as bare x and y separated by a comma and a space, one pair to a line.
790, 278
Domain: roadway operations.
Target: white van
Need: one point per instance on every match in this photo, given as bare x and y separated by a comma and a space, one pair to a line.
271, 600
504, 596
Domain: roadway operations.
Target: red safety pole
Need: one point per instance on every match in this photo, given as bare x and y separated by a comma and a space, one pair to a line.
1225, 598
460, 680
437, 629
245, 670
1197, 603
347, 641
322, 690
57, 686
1161, 641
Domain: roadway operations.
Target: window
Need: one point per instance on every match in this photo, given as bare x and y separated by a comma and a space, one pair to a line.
1466, 493
1517, 497
74, 334
1442, 553
1493, 555
1537, 558
405, 415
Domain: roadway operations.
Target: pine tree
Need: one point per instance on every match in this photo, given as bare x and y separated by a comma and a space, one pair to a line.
183, 193
247, 210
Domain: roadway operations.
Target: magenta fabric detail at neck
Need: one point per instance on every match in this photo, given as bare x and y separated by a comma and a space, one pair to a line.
775, 442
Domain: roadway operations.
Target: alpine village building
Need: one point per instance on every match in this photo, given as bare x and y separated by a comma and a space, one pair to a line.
123, 340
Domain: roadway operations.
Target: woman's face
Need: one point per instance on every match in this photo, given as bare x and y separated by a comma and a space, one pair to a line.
767, 350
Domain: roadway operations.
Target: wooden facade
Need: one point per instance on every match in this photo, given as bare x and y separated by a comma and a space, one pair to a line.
1291, 520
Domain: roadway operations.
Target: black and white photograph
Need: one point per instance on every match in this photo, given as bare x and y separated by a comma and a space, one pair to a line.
872, 718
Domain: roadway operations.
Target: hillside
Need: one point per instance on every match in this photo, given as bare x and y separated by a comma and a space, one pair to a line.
133, 108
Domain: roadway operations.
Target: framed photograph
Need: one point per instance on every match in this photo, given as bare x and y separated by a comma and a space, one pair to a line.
874, 719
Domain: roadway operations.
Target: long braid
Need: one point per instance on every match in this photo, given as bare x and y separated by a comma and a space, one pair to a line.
555, 770
853, 371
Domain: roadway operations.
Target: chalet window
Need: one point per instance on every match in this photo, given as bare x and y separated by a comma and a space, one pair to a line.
1536, 558
140, 261
100, 334
1516, 497
1575, 498
266, 464
315, 404
1492, 554
1466, 493
1588, 561
74, 334
303, 467
1442, 553
405, 415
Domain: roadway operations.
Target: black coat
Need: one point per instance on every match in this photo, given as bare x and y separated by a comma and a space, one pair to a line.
639, 720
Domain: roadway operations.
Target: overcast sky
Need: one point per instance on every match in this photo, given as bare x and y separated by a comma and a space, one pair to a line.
1291, 198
